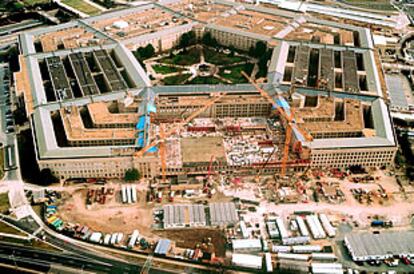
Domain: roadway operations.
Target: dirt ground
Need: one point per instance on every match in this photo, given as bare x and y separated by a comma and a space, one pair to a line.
111, 217
188, 238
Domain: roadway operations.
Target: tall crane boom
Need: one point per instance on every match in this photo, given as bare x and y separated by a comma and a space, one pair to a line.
288, 119
170, 132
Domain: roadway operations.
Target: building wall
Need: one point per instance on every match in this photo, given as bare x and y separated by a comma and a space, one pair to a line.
367, 157
112, 167
233, 39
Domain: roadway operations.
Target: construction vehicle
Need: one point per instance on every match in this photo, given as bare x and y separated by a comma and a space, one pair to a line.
289, 123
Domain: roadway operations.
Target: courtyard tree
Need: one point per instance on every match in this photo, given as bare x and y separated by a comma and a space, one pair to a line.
187, 39
208, 40
132, 174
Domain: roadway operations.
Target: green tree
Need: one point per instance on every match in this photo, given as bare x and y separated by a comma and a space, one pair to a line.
260, 49
209, 40
108, 3
187, 39
15, 6
132, 174
46, 177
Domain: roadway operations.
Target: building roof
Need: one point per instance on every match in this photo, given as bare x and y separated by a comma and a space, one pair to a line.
162, 247
367, 244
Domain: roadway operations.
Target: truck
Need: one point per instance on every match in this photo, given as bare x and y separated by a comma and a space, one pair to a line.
381, 223
172, 194
159, 197
133, 239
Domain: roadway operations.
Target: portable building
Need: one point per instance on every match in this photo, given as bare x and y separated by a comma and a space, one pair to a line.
107, 239
323, 257
306, 248
302, 226
243, 230
247, 245
134, 193
124, 194
248, 261
281, 249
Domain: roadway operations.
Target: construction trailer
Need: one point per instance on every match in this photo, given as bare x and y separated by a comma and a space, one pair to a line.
248, 261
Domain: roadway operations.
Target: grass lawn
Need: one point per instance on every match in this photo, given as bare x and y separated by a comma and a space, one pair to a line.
29, 3
82, 6
5, 228
4, 202
372, 4
175, 80
190, 57
219, 58
205, 81
235, 73
165, 69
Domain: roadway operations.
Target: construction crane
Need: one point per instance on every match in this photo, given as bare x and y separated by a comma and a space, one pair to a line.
162, 154
288, 120
170, 132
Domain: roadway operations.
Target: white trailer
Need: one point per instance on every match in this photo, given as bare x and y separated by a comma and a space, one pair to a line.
119, 237
134, 193
129, 195
243, 230
302, 226
312, 227
95, 237
281, 249
124, 194
330, 230
268, 262
113, 238
245, 260
133, 239
324, 257
306, 248
107, 239
295, 257
319, 227
282, 229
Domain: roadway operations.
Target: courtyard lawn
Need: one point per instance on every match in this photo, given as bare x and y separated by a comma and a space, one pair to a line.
29, 3
383, 5
235, 75
165, 69
190, 57
205, 81
219, 58
82, 6
4, 202
175, 80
